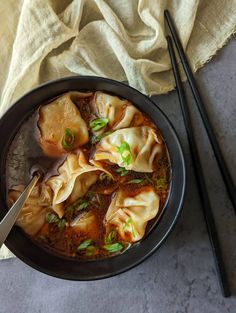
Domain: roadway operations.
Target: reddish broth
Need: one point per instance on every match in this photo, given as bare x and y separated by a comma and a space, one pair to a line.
64, 239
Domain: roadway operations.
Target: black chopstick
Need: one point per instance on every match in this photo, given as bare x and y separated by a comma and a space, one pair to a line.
207, 211
229, 183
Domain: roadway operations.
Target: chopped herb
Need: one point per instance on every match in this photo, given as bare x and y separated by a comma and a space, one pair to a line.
104, 176
114, 247
96, 139
135, 181
68, 139
129, 224
122, 171
42, 238
110, 237
125, 152
91, 250
52, 218
85, 244
160, 183
98, 123
82, 206
61, 224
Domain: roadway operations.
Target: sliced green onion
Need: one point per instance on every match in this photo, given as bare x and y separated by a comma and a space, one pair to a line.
90, 251
122, 171
110, 237
68, 139
160, 183
114, 247
129, 224
96, 139
82, 206
98, 123
61, 224
125, 152
52, 218
135, 181
104, 176
84, 245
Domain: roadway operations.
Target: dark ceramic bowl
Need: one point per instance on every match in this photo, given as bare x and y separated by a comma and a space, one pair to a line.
67, 268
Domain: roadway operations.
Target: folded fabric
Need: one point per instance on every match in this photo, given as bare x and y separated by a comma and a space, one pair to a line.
124, 40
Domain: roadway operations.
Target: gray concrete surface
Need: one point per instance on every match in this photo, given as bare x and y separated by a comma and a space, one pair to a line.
180, 277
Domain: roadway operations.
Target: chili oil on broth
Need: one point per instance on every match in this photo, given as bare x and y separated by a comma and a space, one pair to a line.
91, 240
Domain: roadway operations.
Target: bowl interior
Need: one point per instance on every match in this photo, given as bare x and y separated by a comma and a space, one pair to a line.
64, 267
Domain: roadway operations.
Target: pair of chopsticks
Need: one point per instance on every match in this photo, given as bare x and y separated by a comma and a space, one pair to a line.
206, 206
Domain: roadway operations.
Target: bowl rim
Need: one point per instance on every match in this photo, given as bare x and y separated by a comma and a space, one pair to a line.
10, 243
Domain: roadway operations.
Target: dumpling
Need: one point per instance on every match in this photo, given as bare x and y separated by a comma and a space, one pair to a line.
61, 126
129, 214
87, 224
120, 113
134, 148
33, 214
75, 177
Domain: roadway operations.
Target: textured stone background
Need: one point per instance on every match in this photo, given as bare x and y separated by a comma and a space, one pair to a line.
180, 277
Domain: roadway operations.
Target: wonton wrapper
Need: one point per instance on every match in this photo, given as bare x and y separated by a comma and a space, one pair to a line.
75, 177
120, 113
54, 118
87, 224
130, 214
144, 145
32, 215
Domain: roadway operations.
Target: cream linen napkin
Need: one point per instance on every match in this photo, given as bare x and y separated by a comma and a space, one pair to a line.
124, 40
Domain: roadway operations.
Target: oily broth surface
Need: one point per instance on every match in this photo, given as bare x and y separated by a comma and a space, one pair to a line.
25, 152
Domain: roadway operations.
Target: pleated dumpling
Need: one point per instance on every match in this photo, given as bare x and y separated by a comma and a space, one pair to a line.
32, 215
134, 148
129, 215
120, 113
75, 177
61, 126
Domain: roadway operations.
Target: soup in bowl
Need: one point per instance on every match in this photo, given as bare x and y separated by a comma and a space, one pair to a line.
113, 177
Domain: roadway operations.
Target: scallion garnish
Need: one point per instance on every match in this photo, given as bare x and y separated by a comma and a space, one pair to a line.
122, 171
160, 183
53, 218
82, 206
110, 237
129, 224
135, 181
96, 139
68, 139
61, 223
114, 247
90, 251
85, 244
105, 176
125, 152
98, 123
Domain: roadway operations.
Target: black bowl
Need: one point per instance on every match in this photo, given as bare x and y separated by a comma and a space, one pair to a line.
67, 268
